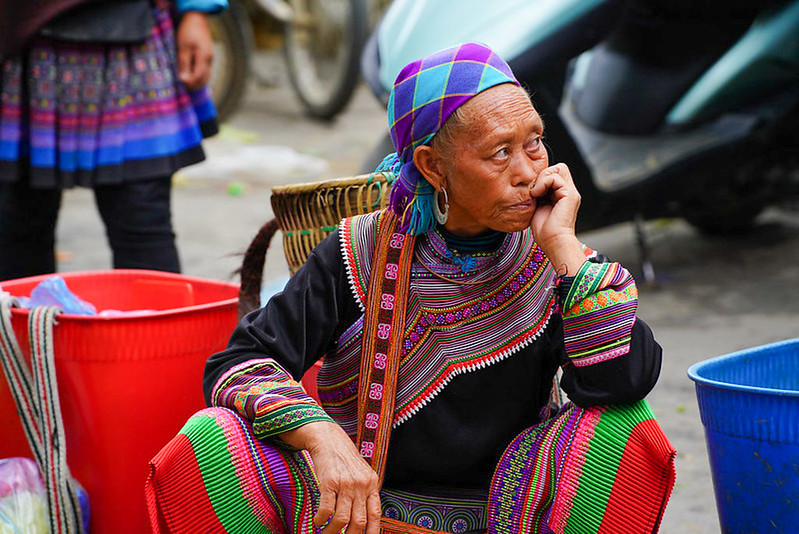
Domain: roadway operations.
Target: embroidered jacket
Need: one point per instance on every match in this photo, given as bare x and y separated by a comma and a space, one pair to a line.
478, 360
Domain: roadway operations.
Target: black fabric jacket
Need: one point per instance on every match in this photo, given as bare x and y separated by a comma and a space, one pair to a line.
459, 436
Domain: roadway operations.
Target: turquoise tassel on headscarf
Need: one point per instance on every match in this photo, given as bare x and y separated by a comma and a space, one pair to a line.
413, 192
390, 164
420, 214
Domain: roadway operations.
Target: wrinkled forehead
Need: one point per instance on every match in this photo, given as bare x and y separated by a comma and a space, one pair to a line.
501, 97
505, 104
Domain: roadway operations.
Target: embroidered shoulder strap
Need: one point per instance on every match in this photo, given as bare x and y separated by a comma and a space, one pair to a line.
384, 324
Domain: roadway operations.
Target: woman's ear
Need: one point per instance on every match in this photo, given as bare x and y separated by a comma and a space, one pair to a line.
430, 165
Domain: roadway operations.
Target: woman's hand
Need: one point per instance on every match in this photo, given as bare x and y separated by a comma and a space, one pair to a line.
195, 50
350, 491
555, 217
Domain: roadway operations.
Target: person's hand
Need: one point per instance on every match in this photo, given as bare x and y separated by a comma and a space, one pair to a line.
555, 217
349, 487
195, 50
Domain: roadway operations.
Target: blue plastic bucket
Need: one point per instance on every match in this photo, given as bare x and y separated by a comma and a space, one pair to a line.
749, 404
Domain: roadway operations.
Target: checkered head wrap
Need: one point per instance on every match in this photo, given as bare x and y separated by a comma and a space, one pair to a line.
424, 95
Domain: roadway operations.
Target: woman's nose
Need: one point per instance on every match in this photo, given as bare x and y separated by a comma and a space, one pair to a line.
525, 170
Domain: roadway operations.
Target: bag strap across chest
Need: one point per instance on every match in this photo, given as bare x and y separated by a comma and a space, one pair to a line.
383, 333
384, 324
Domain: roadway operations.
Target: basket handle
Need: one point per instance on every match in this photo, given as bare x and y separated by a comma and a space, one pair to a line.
252, 268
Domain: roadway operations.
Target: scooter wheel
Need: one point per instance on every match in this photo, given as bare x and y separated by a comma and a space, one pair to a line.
233, 46
323, 47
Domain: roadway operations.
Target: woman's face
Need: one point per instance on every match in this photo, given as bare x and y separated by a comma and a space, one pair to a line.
496, 154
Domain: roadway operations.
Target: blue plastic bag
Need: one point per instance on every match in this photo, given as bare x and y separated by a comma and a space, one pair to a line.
53, 291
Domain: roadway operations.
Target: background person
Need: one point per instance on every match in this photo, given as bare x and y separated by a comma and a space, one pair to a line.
107, 95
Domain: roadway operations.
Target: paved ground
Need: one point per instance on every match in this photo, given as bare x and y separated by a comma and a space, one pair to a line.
714, 295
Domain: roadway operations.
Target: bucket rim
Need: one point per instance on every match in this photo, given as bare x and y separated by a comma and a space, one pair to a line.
154, 314
695, 370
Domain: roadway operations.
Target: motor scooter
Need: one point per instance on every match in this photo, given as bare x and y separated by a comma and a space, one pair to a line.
659, 108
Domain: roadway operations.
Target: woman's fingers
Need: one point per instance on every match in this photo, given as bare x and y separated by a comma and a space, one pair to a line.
365, 512
556, 178
349, 498
349, 508
556, 187
204, 57
341, 516
327, 505
195, 50
357, 522
373, 511
349, 488
185, 57
557, 204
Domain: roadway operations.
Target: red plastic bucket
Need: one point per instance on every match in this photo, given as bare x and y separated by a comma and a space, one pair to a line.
127, 384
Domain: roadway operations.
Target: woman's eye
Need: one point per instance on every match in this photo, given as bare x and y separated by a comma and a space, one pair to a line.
534, 144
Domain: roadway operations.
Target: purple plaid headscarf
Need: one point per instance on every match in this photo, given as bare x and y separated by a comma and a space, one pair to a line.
424, 95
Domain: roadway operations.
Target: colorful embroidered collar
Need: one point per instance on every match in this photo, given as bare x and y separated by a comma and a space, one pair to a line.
450, 329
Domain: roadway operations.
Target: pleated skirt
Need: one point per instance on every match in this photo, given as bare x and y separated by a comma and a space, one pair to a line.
597, 470
99, 114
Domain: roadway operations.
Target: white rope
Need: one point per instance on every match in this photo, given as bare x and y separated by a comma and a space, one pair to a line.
62, 494
39, 407
20, 383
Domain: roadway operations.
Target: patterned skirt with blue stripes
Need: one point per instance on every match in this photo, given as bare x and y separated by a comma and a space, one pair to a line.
99, 114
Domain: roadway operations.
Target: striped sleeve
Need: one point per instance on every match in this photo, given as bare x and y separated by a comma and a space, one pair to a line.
261, 391
598, 313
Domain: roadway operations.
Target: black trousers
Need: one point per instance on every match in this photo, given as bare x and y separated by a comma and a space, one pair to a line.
137, 217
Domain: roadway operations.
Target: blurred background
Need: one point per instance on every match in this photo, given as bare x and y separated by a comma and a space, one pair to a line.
678, 121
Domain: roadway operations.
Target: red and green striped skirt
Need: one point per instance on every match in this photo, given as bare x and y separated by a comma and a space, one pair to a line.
603, 469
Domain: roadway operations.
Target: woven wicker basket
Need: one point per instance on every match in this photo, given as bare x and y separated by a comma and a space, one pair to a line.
307, 213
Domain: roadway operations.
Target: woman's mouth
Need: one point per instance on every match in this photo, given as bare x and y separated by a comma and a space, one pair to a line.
524, 206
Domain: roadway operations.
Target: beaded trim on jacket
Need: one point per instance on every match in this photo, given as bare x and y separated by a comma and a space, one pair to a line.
450, 329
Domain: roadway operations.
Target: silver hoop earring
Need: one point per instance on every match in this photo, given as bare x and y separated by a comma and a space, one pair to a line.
441, 216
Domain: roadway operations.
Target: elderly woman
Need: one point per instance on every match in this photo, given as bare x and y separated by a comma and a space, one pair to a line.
443, 321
